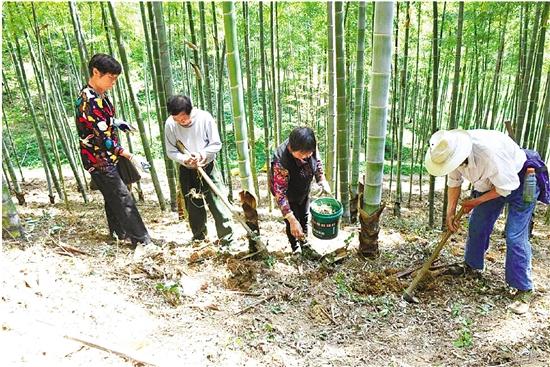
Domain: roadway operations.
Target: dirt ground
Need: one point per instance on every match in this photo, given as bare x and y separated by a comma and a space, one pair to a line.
71, 296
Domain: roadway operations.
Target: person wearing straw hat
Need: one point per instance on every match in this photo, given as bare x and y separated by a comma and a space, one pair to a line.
496, 166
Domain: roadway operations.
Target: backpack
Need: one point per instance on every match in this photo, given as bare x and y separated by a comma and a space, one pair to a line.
541, 171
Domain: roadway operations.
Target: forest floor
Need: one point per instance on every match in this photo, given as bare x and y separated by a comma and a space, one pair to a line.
193, 305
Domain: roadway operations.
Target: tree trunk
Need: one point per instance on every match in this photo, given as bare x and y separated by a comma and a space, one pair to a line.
435, 80
542, 147
330, 161
267, 137
528, 140
393, 114
359, 92
235, 78
82, 50
165, 91
19, 194
415, 110
378, 105
402, 114
247, 195
197, 64
341, 117
526, 81
137, 112
204, 49
276, 123
22, 78
251, 136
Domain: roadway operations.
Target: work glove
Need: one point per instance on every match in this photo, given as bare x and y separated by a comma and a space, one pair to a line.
140, 163
122, 125
325, 186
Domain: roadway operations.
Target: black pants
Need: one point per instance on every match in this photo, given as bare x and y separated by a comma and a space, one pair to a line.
300, 210
197, 194
122, 214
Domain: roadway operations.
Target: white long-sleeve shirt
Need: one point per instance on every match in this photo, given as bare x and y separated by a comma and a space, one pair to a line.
495, 161
201, 136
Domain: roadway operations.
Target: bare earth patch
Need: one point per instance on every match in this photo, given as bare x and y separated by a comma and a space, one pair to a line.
71, 296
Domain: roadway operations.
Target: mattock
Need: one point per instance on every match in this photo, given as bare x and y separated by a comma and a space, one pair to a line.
408, 294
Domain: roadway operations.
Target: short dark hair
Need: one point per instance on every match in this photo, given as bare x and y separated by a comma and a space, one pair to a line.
104, 64
302, 139
178, 104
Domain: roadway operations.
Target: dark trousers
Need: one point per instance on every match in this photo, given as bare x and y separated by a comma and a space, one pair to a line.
300, 210
197, 194
122, 214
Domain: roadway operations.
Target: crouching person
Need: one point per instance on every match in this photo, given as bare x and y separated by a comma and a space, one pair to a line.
496, 166
293, 166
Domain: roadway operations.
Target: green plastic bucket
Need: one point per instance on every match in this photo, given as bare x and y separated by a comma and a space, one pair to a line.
325, 226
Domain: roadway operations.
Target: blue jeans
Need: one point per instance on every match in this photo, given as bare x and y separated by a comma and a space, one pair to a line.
518, 248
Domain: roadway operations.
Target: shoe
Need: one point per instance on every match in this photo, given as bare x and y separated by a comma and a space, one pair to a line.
464, 270
521, 302
199, 237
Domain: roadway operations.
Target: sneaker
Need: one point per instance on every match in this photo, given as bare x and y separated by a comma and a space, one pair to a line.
521, 302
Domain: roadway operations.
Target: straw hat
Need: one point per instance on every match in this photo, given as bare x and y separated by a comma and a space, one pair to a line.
448, 149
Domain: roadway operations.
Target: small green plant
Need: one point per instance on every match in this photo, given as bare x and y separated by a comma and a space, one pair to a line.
170, 291
270, 331
347, 241
465, 337
270, 261
456, 309
342, 287
276, 309
56, 228
485, 308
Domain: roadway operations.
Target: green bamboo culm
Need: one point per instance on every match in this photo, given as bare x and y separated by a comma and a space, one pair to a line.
164, 82
137, 113
330, 165
237, 98
341, 117
358, 108
267, 138
378, 105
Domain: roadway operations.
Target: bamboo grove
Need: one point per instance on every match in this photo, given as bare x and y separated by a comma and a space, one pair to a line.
374, 80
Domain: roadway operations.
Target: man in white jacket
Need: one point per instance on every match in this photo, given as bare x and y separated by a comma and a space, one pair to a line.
198, 133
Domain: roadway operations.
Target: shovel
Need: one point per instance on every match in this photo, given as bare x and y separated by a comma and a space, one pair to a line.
408, 294
259, 244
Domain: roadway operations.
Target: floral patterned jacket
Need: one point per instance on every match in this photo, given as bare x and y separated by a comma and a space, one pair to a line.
99, 142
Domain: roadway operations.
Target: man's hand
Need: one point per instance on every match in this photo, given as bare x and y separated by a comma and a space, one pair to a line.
468, 205
452, 225
194, 160
123, 125
140, 163
295, 228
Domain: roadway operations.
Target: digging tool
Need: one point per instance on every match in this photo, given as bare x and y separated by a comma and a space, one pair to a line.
408, 294
259, 244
